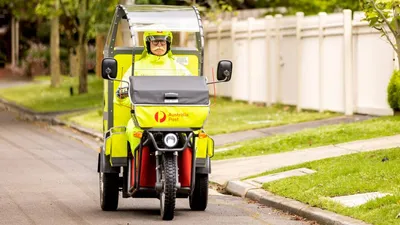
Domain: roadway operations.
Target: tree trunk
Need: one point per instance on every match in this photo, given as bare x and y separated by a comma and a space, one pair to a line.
83, 86
74, 62
100, 39
14, 42
55, 50
396, 21
398, 52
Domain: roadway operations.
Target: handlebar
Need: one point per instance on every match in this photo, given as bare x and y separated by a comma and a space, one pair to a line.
122, 92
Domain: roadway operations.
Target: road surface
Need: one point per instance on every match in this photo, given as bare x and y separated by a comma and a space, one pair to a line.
48, 177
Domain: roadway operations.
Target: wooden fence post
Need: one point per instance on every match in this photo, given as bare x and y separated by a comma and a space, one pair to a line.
249, 57
268, 30
219, 39
233, 38
300, 16
278, 18
348, 61
322, 20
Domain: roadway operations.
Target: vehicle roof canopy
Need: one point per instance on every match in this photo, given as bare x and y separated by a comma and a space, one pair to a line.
162, 17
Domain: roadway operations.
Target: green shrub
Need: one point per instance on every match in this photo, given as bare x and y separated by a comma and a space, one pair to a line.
393, 91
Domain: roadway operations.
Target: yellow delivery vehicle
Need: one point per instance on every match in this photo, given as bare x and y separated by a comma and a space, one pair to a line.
156, 101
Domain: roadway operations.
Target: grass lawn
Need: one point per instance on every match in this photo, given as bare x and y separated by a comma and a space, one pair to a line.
40, 97
347, 175
91, 119
326, 135
227, 116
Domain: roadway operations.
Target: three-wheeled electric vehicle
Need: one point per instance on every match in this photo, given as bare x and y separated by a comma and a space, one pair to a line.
154, 142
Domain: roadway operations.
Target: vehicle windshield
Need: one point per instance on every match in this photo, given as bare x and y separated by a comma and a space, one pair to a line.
142, 18
181, 60
185, 42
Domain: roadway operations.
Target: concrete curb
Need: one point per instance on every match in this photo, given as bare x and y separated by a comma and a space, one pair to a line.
246, 190
14, 106
49, 117
84, 130
26, 113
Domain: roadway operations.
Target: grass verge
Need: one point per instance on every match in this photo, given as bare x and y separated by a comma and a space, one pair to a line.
348, 175
308, 138
91, 119
227, 116
40, 97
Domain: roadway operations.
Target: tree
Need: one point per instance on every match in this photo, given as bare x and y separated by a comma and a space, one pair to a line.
384, 15
19, 10
55, 49
29, 10
82, 18
103, 12
50, 10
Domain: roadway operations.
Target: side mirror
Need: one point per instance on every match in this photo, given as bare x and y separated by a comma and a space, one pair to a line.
224, 72
109, 68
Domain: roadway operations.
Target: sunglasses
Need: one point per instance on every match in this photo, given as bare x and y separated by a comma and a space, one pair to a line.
156, 42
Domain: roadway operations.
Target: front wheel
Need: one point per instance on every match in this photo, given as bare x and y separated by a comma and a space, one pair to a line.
168, 194
198, 200
109, 191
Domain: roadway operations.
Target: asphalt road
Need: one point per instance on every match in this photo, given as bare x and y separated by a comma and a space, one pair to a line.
48, 177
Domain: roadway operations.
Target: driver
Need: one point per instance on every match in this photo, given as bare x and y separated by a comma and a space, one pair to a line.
156, 60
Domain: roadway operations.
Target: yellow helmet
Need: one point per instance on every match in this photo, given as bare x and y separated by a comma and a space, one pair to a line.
157, 35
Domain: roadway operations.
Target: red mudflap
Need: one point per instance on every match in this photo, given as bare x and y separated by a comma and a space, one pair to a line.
185, 167
148, 169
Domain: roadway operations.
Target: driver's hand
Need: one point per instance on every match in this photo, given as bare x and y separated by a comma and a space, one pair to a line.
122, 92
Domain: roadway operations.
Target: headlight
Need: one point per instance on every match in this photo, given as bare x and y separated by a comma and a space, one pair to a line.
170, 140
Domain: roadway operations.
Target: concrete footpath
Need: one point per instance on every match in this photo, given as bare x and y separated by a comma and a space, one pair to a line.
224, 139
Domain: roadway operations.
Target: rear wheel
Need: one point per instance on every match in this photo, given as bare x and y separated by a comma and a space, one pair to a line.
109, 189
168, 195
199, 199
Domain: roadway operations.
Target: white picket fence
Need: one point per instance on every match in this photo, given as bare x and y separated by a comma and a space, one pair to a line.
329, 62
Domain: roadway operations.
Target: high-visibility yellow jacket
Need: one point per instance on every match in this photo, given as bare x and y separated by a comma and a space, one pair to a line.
152, 65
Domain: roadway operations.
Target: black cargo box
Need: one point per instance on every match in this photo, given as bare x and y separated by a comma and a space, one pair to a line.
166, 90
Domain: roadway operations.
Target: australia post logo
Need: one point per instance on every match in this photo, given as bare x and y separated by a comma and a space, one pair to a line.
160, 116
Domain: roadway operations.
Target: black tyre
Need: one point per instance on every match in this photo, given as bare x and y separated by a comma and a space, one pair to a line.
168, 195
199, 199
109, 191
